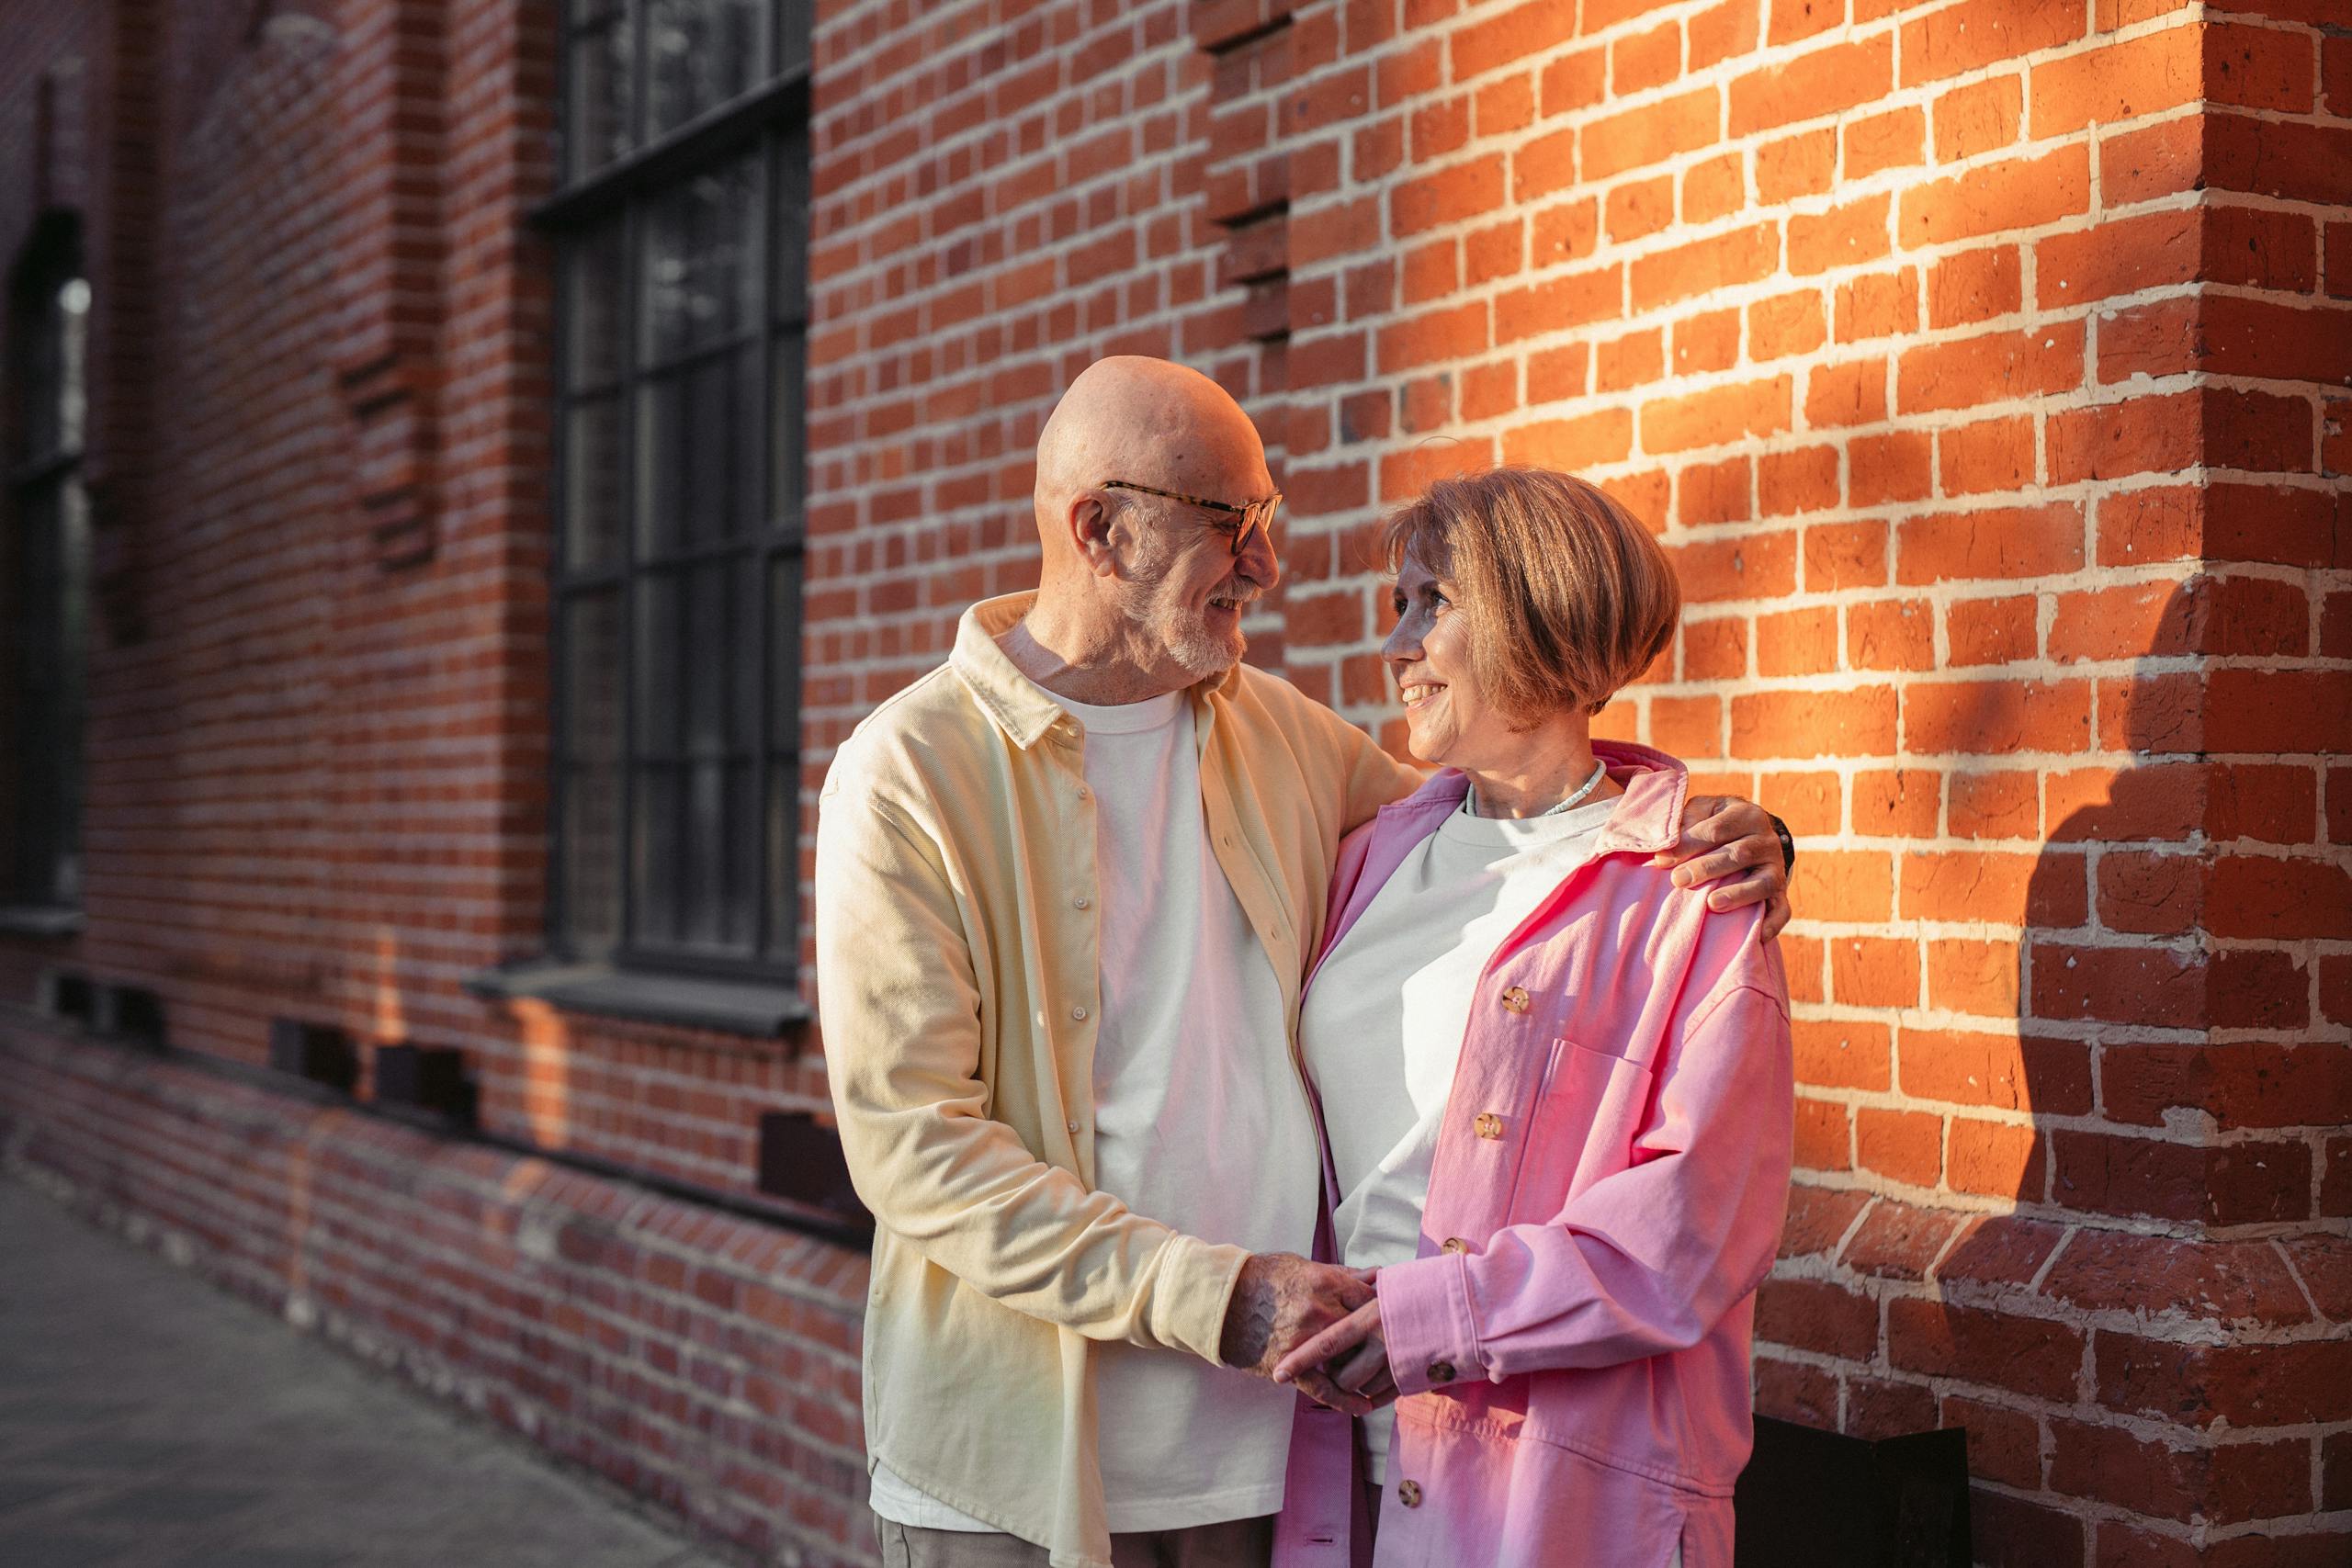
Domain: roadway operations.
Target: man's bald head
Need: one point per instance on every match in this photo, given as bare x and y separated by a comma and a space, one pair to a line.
1150, 423
1142, 594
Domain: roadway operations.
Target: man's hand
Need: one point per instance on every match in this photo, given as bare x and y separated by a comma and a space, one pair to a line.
1281, 1299
1730, 842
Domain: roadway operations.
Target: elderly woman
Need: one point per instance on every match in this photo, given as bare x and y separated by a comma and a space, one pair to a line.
1556, 1086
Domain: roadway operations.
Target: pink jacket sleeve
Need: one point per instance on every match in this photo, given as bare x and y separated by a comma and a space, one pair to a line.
1646, 1260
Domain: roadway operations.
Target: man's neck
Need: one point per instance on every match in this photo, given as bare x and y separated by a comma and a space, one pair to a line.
1095, 664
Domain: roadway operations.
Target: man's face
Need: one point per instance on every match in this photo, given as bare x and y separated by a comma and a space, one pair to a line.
1189, 591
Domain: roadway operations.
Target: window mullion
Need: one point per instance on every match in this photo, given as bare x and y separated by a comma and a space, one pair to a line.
566, 592
762, 444
632, 531
641, 85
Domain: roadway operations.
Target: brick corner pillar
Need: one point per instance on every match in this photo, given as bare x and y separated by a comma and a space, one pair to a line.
2164, 1312
2186, 953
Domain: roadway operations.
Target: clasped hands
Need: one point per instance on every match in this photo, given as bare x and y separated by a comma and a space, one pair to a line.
1313, 1325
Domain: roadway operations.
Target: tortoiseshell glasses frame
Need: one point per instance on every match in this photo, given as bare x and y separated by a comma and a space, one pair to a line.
1256, 516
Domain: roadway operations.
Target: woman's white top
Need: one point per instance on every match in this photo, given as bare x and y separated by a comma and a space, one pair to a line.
1383, 1021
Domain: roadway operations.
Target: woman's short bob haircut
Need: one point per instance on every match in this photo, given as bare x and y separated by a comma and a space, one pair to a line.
1568, 597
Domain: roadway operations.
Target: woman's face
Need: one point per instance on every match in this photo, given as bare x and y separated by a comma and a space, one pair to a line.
1449, 721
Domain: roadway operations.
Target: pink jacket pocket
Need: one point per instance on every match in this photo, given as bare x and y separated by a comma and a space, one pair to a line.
1588, 1108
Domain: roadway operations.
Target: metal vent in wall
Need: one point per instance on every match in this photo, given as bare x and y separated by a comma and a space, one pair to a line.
64, 994
133, 1013
801, 1161
319, 1052
428, 1078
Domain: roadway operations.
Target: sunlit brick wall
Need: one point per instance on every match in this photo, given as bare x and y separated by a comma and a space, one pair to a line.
1975, 363
1979, 366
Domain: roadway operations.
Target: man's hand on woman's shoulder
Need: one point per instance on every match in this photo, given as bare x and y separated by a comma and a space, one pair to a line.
1738, 846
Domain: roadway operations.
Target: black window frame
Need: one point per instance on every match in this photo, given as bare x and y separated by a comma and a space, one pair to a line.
44, 729
767, 125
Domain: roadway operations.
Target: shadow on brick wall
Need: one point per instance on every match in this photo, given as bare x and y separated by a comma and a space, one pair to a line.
2069, 1332
2112, 908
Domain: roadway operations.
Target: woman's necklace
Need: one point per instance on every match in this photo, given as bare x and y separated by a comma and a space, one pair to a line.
1600, 772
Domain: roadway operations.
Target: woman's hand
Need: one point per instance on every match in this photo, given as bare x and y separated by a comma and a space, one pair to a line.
1349, 1358
1732, 842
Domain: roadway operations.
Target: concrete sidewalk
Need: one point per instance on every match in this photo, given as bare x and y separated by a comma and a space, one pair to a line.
148, 1421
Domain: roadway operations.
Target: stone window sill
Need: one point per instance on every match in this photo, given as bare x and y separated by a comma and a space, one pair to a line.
733, 1007
52, 921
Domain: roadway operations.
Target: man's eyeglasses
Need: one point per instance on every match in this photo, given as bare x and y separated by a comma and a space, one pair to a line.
1256, 516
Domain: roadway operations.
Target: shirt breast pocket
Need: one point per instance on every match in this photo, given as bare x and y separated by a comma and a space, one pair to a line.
1588, 1108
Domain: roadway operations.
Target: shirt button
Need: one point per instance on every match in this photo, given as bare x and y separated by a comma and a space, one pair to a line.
1409, 1494
1072, 1125
1441, 1372
1456, 1244
1488, 1125
1515, 999
1083, 794
1078, 1013
1079, 902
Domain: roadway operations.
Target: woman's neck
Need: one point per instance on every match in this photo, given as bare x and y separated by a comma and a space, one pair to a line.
1555, 762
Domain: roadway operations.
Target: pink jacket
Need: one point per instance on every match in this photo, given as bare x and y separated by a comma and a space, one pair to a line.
1572, 1343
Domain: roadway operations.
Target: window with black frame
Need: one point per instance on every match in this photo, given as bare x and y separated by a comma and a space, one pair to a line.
45, 558
681, 236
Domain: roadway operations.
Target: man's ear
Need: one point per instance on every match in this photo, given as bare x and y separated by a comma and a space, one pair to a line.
1094, 531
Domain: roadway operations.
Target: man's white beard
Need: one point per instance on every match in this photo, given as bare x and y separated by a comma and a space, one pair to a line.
1197, 649
1183, 630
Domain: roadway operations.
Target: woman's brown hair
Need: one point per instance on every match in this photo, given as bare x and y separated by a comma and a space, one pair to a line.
1569, 597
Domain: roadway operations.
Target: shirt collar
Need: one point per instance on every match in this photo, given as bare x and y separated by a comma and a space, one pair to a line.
1649, 815
1021, 707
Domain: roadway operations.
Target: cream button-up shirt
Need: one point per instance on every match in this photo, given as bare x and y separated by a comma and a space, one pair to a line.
956, 925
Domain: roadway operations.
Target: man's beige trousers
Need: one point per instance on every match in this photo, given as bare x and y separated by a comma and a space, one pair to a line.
1237, 1543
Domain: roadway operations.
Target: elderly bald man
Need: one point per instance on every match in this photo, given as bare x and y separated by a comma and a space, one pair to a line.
1067, 885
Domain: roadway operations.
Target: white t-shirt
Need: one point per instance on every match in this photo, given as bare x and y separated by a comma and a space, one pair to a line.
1200, 1122
1382, 1025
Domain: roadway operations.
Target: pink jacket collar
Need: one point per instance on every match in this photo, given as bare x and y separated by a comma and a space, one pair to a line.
1648, 819
1649, 815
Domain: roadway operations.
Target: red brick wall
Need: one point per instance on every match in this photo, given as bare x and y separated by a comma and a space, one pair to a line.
1981, 362
319, 732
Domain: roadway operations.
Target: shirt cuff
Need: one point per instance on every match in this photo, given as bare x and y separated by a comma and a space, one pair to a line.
1188, 1298
1425, 1318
